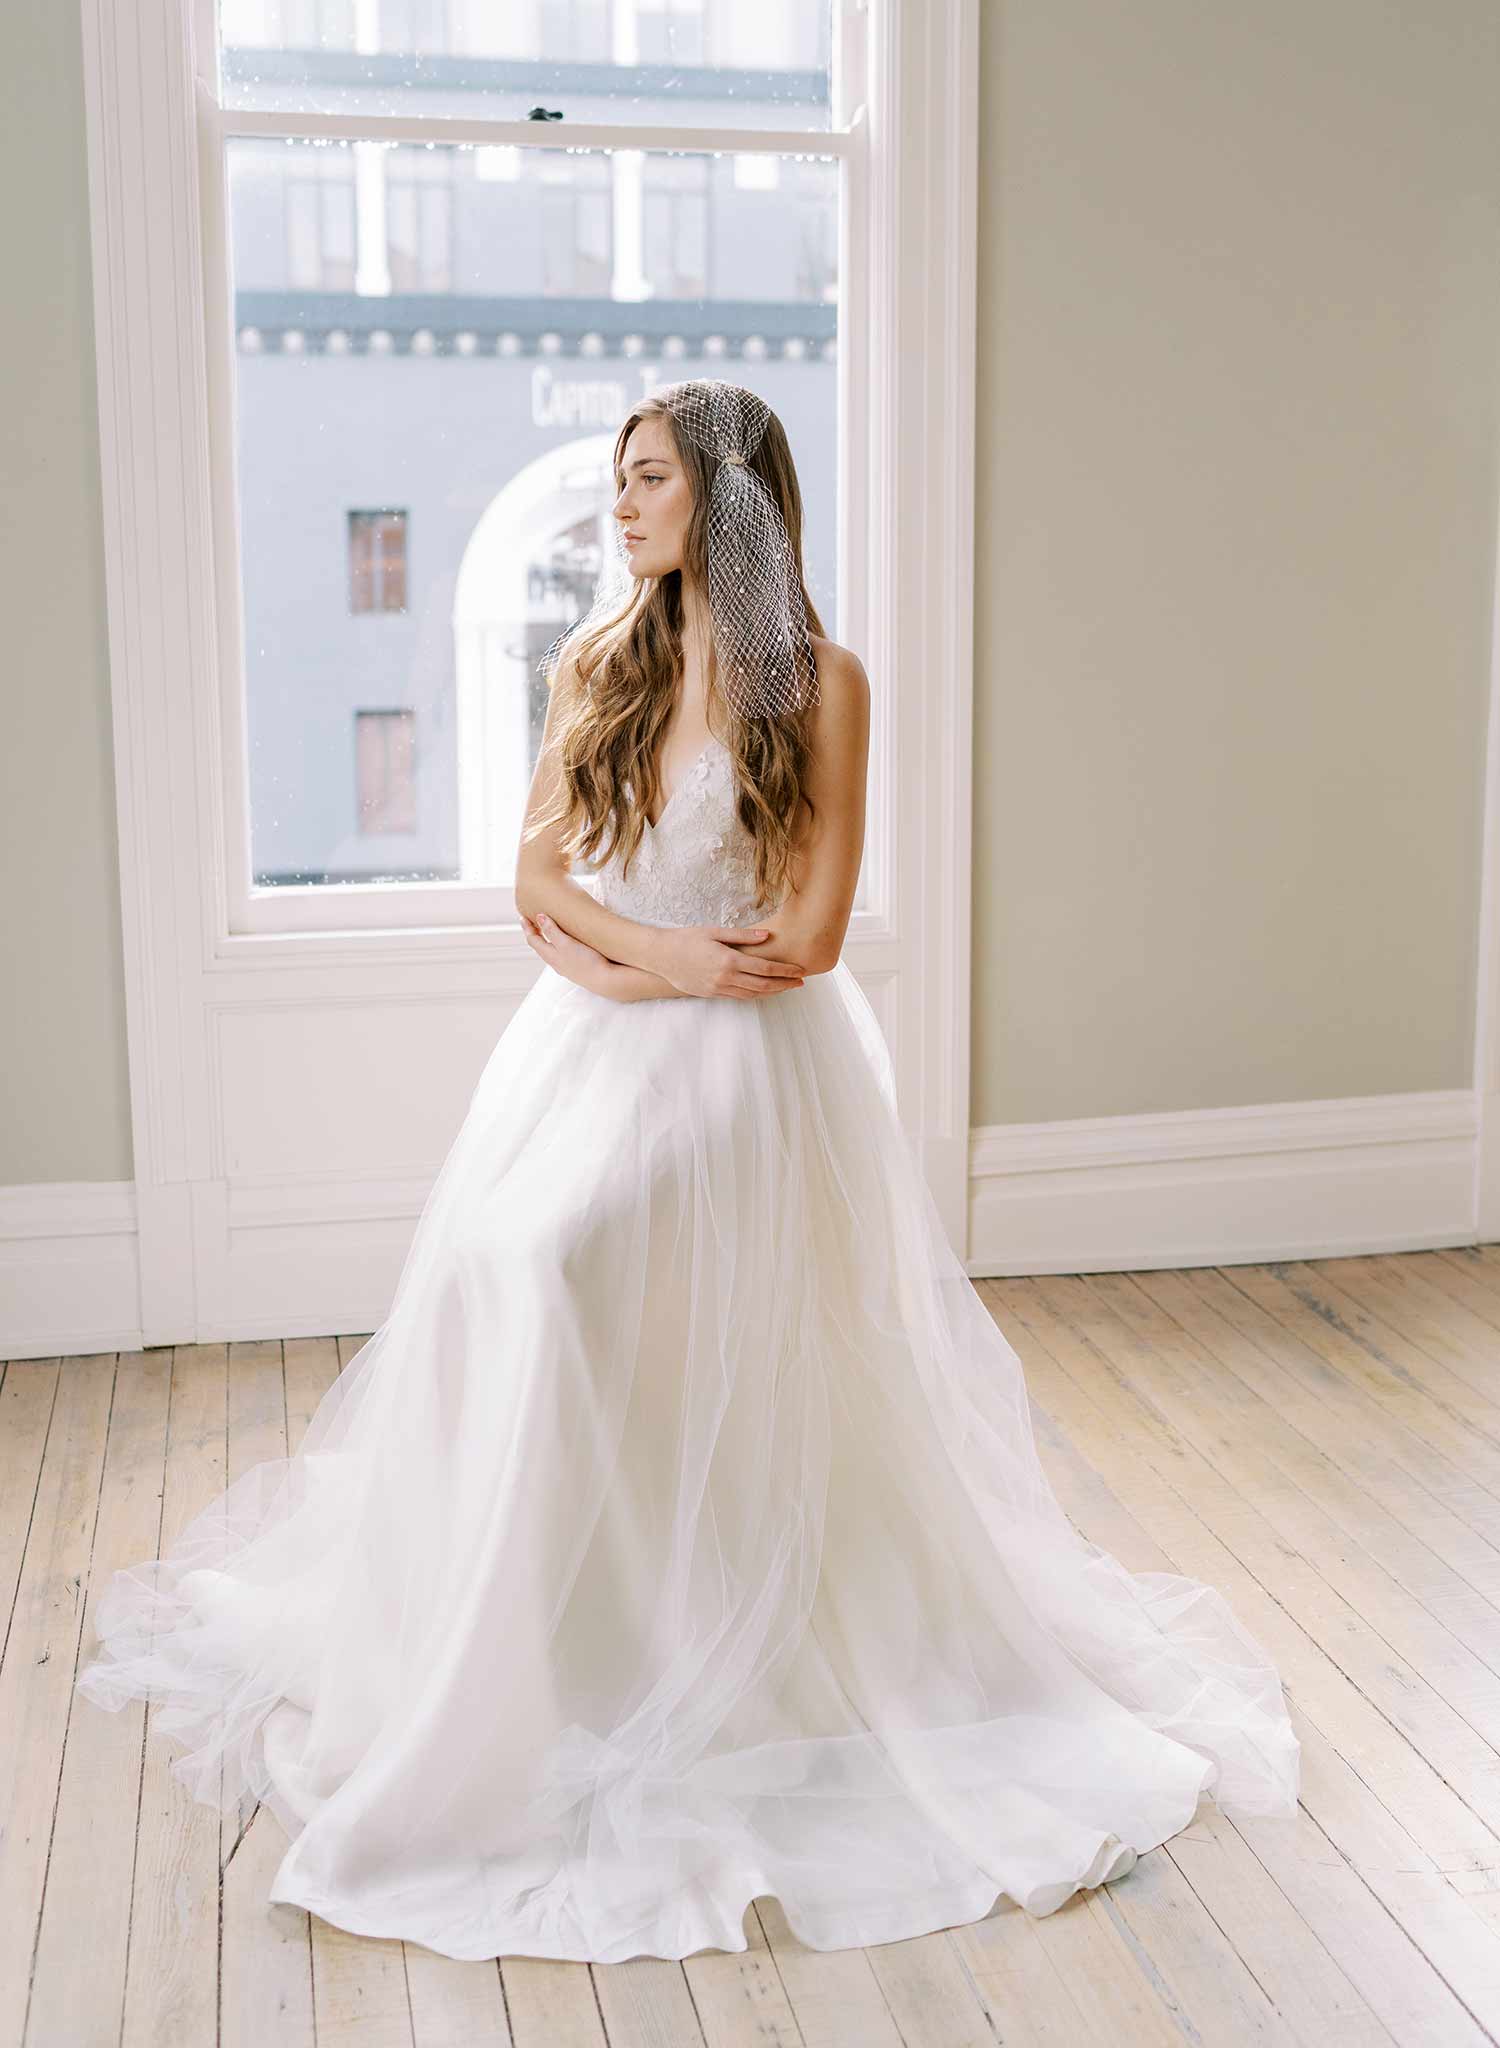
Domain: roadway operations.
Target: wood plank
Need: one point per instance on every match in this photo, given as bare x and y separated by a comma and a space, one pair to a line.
446, 2000
645, 2003
1457, 1519
740, 1998
1448, 1627
1459, 1341
310, 1365
1459, 1274
266, 1988
1212, 1535
1197, 1973
360, 1992
551, 2005
1367, 1918
89, 1871
27, 1395
256, 1431
454, 2004
1063, 1977
266, 1994
834, 1993
359, 1989
1392, 1386
1403, 1658
1270, 1935
1283, 1956
1304, 1438
932, 1996
172, 1969
41, 1655
1487, 1254
1405, 1989
1384, 1359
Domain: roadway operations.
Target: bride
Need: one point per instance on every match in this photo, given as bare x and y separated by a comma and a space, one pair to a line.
680, 1537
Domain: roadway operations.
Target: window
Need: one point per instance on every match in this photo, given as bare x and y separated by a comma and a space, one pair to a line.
674, 219
288, 24
320, 223
679, 63
574, 29
489, 426
385, 771
670, 31
377, 561
419, 219
576, 219
451, 332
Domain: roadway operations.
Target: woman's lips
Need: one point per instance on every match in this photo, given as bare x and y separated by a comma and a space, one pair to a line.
633, 540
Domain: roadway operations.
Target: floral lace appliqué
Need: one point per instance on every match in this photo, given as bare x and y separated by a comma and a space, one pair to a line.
696, 865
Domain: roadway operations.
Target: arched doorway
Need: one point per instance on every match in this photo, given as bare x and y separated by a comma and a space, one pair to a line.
530, 569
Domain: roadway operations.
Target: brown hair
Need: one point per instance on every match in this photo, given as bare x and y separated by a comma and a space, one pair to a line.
620, 680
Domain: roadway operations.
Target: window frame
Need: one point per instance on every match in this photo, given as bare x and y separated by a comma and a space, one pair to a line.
194, 958
381, 906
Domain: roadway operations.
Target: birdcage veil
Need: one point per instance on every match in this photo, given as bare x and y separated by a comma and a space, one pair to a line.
762, 642
761, 638
612, 590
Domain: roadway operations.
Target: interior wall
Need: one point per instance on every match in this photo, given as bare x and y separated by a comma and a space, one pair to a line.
64, 1103
1237, 478
1239, 367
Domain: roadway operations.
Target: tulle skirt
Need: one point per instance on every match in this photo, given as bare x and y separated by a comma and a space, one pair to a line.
680, 1538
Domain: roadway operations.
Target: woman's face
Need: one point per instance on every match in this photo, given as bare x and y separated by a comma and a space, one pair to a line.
654, 506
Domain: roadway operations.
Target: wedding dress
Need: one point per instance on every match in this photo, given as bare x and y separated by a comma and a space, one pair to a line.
680, 1537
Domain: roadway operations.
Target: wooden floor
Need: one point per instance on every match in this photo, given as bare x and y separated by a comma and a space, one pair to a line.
1321, 1441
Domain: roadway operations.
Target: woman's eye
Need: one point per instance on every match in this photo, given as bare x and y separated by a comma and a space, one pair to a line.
653, 479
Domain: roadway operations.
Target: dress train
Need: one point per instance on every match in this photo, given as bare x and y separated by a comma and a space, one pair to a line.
681, 1537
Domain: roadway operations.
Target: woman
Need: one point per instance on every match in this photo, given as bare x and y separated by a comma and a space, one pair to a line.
680, 1537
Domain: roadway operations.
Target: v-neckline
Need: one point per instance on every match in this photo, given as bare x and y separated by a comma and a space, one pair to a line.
687, 775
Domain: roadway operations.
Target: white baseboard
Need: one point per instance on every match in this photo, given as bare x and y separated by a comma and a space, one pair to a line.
1216, 1187
69, 1269
1292, 1180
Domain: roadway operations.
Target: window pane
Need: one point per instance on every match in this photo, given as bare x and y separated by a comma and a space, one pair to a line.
715, 63
422, 457
377, 561
385, 768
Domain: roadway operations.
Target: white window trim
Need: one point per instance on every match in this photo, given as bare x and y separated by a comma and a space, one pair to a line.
486, 912
906, 395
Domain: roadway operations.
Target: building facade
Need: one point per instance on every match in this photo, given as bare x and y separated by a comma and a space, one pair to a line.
435, 345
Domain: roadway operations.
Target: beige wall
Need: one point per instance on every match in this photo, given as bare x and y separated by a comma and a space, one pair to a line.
64, 1102
1239, 366
1238, 389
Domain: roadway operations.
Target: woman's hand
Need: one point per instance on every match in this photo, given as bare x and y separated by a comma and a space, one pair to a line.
567, 956
704, 960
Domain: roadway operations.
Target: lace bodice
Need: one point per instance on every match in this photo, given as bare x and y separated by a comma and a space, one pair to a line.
696, 865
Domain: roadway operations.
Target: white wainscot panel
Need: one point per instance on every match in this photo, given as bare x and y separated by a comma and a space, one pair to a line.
348, 1087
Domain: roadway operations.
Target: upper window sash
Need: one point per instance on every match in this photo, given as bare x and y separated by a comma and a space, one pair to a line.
376, 905
226, 81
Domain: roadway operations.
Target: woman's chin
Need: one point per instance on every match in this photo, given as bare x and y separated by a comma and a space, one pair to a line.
650, 566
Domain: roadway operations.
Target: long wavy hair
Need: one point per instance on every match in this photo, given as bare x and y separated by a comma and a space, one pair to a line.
619, 678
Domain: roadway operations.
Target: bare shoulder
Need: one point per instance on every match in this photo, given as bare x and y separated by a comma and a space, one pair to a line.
843, 685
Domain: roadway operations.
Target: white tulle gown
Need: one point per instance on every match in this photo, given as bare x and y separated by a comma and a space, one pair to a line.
680, 1537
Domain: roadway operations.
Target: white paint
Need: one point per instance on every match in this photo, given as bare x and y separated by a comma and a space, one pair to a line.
200, 949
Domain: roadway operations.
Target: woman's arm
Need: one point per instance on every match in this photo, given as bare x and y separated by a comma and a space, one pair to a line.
809, 925
700, 960
578, 962
543, 883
